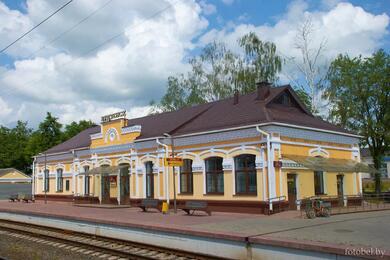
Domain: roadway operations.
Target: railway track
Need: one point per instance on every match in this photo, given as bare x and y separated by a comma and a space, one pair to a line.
90, 245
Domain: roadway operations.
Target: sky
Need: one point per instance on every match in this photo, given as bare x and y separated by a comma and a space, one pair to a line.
98, 57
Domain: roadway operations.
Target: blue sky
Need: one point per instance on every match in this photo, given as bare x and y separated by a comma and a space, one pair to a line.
130, 71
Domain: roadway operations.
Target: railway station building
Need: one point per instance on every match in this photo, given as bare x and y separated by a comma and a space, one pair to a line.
249, 153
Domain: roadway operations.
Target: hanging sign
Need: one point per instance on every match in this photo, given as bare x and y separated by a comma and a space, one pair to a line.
173, 162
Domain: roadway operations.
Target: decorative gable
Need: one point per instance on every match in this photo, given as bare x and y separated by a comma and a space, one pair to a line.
114, 130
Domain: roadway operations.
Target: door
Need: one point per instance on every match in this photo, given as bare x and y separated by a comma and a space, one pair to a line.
340, 189
105, 189
292, 190
149, 180
124, 184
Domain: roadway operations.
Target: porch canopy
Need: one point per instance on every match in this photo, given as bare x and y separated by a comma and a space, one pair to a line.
102, 170
329, 164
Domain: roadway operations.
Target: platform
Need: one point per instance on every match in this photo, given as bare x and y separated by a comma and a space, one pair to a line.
285, 233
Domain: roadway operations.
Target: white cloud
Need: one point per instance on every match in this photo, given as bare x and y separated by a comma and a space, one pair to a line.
228, 2
208, 8
345, 27
131, 70
5, 110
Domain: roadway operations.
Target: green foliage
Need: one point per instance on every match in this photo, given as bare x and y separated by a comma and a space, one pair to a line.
74, 128
304, 97
217, 72
19, 144
359, 91
13, 144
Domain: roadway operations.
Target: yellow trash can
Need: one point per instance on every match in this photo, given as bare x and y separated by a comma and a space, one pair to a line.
165, 207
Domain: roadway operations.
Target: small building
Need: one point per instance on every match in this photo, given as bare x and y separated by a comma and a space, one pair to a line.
13, 181
12, 175
248, 153
367, 159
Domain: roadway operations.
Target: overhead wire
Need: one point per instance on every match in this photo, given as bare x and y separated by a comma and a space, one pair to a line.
98, 46
36, 26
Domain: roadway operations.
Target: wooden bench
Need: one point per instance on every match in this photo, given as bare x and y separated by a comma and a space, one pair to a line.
150, 204
27, 197
191, 206
13, 198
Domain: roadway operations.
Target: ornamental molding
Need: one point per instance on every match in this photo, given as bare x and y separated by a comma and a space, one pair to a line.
131, 129
111, 135
96, 136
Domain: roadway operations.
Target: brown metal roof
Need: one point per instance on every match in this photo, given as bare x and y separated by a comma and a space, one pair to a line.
214, 116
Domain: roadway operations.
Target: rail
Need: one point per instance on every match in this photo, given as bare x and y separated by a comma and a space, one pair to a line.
351, 203
92, 245
278, 206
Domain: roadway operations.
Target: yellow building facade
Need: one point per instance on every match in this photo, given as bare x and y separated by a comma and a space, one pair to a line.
249, 153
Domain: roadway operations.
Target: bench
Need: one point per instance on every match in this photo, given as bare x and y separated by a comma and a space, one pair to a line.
150, 204
27, 197
191, 206
13, 198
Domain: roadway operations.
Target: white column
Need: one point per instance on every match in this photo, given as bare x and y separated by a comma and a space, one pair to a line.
119, 187
264, 175
271, 174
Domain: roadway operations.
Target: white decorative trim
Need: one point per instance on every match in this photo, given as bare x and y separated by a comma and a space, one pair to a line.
319, 151
227, 164
131, 129
96, 136
124, 160
104, 161
243, 148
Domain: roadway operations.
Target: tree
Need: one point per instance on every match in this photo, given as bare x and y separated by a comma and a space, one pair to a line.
309, 64
359, 90
74, 128
217, 72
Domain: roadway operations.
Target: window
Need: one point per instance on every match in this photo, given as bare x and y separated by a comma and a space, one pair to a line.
47, 181
67, 185
149, 180
186, 176
59, 179
245, 174
318, 182
86, 180
214, 175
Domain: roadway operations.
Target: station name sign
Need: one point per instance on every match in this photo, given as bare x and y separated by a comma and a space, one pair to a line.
114, 116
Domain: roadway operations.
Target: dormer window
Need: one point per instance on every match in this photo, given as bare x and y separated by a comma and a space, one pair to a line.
284, 99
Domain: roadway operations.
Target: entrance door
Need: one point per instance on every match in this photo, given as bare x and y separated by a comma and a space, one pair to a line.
292, 190
105, 189
149, 180
340, 189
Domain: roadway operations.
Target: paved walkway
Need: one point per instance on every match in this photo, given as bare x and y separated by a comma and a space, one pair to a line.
368, 229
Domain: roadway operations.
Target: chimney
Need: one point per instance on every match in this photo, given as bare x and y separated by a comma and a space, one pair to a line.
236, 94
263, 90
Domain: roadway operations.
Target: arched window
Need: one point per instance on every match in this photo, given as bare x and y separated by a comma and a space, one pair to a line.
214, 175
186, 185
245, 174
149, 180
86, 180
60, 179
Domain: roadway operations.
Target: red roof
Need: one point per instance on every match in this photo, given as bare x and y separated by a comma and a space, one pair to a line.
214, 116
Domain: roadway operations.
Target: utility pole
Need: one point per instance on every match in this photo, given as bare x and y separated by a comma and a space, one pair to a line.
46, 179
